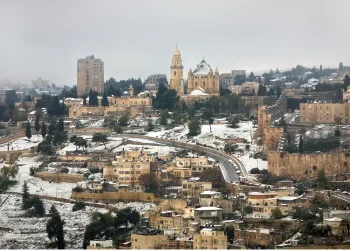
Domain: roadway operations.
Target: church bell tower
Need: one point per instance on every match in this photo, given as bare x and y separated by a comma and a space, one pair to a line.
176, 75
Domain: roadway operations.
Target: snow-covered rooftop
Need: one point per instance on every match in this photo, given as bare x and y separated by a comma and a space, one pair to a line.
198, 92
208, 209
202, 69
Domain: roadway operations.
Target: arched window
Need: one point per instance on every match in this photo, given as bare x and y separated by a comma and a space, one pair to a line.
196, 84
174, 73
203, 84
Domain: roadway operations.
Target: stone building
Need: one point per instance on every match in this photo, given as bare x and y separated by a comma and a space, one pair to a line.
204, 79
226, 80
260, 236
167, 220
127, 172
147, 241
324, 113
153, 81
90, 75
40, 83
133, 105
176, 73
210, 238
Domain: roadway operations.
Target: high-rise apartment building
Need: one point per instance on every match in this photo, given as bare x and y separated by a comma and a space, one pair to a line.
90, 75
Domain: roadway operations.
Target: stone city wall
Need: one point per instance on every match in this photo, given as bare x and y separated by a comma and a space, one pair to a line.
58, 177
269, 134
306, 166
114, 196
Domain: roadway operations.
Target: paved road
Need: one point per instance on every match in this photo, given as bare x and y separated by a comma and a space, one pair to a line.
226, 167
341, 196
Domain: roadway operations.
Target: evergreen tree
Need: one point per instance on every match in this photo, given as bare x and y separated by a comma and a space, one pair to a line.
54, 228
61, 124
51, 128
28, 130
278, 91
194, 127
341, 67
322, 179
84, 100
43, 129
90, 98
301, 144
346, 81
37, 125
261, 90
105, 100
25, 195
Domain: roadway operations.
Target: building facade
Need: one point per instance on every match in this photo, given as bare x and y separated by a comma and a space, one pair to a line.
203, 79
209, 238
176, 73
90, 75
325, 113
40, 83
226, 80
153, 81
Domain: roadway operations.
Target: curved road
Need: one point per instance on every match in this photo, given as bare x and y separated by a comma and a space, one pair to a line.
226, 167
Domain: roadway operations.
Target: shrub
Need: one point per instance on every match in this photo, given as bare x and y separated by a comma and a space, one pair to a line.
79, 205
78, 189
64, 170
95, 170
32, 171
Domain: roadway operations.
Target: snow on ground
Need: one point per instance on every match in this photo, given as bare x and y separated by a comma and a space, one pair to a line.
37, 185
222, 131
153, 149
112, 143
141, 121
143, 141
214, 139
250, 162
28, 232
22, 143
138, 206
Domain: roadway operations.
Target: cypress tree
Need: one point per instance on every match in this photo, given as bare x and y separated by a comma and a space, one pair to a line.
28, 130
90, 98
104, 100
37, 125
61, 124
43, 129
301, 144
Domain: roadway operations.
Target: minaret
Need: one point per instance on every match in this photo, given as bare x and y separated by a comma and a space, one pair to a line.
176, 76
131, 90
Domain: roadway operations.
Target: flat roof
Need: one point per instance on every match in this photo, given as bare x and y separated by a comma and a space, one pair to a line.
208, 208
210, 192
259, 193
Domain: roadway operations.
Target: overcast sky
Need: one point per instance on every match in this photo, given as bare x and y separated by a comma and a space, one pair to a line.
137, 38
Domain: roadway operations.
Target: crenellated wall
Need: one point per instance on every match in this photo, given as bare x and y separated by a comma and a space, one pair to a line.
306, 166
266, 116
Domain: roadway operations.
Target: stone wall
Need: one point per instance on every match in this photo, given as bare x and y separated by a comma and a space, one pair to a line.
11, 137
58, 177
306, 166
74, 157
114, 196
269, 134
